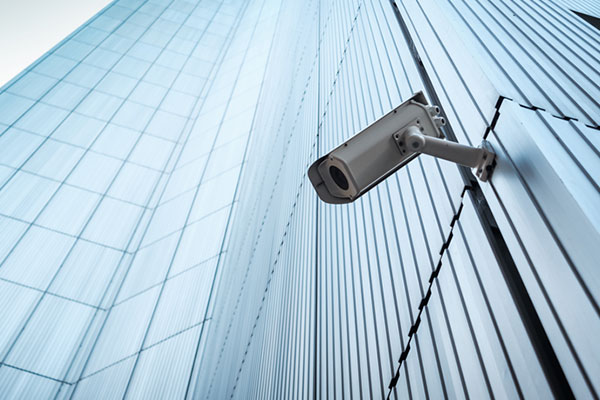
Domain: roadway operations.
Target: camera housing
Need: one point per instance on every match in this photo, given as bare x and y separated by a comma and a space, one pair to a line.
369, 157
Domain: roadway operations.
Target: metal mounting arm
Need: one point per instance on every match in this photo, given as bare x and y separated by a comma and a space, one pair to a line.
479, 158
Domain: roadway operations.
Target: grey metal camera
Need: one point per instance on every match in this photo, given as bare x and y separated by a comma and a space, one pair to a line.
369, 157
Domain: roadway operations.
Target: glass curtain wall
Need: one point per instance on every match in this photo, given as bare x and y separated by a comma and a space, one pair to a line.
120, 153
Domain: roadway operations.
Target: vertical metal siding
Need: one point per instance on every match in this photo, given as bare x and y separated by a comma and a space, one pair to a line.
376, 260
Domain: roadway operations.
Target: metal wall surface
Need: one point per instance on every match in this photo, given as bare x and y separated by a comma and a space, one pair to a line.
408, 292
589, 7
544, 195
543, 62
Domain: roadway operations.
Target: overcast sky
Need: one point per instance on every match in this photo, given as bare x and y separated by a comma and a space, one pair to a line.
29, 28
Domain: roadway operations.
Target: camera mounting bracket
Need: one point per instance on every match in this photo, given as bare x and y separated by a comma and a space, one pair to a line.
481, 159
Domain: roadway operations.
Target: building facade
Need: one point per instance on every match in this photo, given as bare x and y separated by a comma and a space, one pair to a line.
159, 237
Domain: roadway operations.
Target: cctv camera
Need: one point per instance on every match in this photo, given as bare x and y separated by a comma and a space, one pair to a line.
372, 155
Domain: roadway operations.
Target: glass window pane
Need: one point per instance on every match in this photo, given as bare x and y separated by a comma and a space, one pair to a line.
91, 35
116, 84
133, 115
54, 160
152, 152
99, 105
113, 223
16, 383
44, 354
144, 51
78, 130
189, 84
85, 75
41, 119
16, 303
51, 248
87, 272
168, 217
95, 172
148, 94
178, 103
200, 241
132, 317
65, 95
171, 378
24, 196
215, 194
134, 183
102, 58
55, 66
166, 125
171, 59
94, 385
74, 50
184, 178
16, 146
149, 266
68, 210
12, 107
188, 294
131, 67
116, 141
105, 23
118, 44
32, 85
5, 173
160, 75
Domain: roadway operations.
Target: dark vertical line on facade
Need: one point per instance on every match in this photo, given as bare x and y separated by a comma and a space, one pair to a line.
419, 216
348, 125
347, 314
493, 319
362, 302
316, 310
545, 353
329, 309
372, 298
366, 64
470, 327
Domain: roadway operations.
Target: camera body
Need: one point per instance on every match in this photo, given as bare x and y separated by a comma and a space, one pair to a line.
369, 157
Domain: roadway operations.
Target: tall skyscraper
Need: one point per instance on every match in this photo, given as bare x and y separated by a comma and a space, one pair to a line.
159, 237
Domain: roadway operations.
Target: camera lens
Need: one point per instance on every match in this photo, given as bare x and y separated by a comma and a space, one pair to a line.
338, 177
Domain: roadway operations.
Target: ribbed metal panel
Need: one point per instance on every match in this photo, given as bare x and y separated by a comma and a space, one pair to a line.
536, 53
407, 271
589, 7
542, 194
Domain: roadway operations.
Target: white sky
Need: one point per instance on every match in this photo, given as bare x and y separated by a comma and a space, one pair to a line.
29, 28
